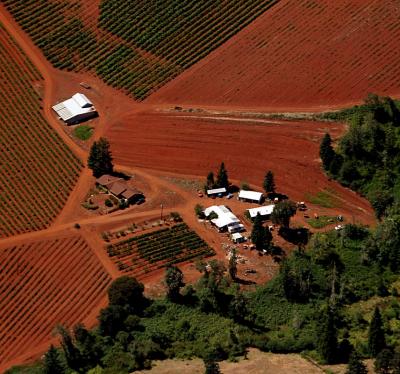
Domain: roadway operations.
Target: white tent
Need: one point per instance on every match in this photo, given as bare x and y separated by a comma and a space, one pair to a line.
250, 195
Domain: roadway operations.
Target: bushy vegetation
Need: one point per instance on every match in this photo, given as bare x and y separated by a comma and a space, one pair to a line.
83, 132
334, 300
367, 157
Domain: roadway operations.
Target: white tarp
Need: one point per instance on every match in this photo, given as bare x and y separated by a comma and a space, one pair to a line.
216, 191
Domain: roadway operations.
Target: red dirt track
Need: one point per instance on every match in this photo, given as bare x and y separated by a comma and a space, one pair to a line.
42, 284
249, 147
300, 54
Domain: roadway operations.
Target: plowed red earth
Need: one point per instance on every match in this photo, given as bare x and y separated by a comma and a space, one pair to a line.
300, 54
42, 284
249, 147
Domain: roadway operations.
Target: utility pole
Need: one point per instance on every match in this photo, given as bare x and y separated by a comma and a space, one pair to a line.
162, 206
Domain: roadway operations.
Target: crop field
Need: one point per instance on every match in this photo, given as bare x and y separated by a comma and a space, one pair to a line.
300, 54
42, 284
38, 171
136, 46
145, 253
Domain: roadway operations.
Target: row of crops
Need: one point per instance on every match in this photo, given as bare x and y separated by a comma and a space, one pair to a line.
38, 170
42, 284
157, 249
134, 45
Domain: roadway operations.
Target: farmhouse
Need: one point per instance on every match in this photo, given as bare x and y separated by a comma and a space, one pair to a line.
264, 211
250, 196
216, 191
75, 109
226, 218
118, 187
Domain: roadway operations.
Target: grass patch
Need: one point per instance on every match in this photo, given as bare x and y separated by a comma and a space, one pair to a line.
83, 132
325, 199
321, 222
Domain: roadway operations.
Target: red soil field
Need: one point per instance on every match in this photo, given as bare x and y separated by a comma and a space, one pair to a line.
44, 283
249, 147
300, 54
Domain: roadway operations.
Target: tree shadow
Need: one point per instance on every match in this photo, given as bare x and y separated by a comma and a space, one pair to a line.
298, 236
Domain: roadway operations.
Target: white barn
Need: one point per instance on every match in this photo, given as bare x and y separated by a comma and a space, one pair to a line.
225, 218
250, 196
75, 109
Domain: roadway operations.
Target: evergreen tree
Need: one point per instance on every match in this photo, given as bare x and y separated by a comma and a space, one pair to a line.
127, 291
327, 342
71, 352
269, 182
238, 308
211, 367
326, 151
210, 184
174, 282
222, 177
383, 362
260, 236
376, 334
232, 265
282, 213
52, 362
356, 366
100, 159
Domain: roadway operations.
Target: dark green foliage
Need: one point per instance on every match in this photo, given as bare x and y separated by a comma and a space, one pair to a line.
222, 177
52, 362
368, 155
269, 182
232, 265
383, 362
127, 291
211, 367
71, 352
111, 320
356, 366
376, 334
238, 308
326, 152
282, 213
100, 159
174, 282
199, 211
210, 183
327, 343
260, 236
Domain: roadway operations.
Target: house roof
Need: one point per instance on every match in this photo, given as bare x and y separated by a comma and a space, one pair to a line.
216, 191
107, 179
225, 216
117, 188
263, 210
250, 195
131, 192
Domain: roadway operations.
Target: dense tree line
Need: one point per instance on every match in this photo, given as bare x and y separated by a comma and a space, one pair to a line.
367, 157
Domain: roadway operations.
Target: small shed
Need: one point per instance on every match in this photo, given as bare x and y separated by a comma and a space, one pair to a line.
216, 191
264, 211
250, 196
238, 238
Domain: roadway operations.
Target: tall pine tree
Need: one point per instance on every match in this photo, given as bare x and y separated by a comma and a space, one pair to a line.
100, 159
326, 151
260, 236
269, 182
52, 362
327, 342
222, 177
376, 334
356, 366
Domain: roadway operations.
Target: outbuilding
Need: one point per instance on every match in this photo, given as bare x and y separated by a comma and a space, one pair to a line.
250, 196
216, 192
225, 217
264, 211
76, 109
238, 238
